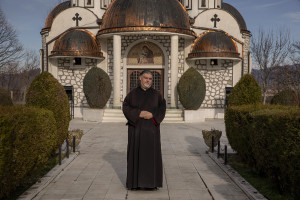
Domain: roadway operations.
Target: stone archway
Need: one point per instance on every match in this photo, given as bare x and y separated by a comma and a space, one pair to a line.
145, 55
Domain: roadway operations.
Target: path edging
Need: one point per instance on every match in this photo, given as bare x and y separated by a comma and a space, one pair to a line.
35, 189
246, 187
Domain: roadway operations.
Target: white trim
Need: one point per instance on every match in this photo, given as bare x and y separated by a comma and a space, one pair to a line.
164, 67
105, 35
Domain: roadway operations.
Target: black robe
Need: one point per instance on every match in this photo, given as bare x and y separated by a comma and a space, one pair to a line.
144, 160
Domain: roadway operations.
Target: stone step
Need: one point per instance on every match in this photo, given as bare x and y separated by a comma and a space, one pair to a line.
116, 115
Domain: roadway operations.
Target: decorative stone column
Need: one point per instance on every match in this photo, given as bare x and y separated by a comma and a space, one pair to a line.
174, 70
117, 71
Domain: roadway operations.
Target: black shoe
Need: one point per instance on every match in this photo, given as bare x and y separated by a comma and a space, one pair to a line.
133, 189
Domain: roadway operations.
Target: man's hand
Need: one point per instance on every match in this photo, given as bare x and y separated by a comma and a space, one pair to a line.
146, 115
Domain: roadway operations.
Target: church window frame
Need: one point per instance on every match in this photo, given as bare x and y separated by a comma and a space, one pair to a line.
104, 4
77, 63
187, 4
203, 4
89, 3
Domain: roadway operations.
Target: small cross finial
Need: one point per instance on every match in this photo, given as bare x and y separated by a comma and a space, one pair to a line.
77, 18
215, 20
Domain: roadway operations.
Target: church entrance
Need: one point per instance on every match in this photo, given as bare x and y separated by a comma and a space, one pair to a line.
157, 83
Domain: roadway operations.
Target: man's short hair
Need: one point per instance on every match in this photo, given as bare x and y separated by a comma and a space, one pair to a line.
146, 72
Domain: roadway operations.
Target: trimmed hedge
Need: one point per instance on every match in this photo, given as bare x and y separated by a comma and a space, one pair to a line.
246, 91
191, 89
46, 92
285, 97
97, 87
5, 99
268, 138
27, 138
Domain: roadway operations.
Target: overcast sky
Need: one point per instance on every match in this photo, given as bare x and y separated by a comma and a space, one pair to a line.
28, 16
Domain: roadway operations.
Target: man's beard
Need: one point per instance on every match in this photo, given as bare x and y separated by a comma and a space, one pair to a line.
147, 86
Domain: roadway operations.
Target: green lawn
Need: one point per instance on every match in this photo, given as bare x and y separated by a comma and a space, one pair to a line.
262, 184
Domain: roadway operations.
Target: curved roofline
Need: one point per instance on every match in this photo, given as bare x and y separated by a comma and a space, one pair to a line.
221, 31
133, 23
55, 53
147, 28
205, 54
52, 20
241, 30
55, 11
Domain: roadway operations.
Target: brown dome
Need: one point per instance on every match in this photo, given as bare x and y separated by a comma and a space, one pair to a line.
77, 42
214, 44
145, 15
58, 9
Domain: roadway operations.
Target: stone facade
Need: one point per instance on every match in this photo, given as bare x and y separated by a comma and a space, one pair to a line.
164, 42
216, 79
68, 76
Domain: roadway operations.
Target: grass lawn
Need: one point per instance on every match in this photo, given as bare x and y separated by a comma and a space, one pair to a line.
262, 184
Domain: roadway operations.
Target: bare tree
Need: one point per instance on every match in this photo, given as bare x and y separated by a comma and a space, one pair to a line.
8, 76
269, 49
29, 68
10, 48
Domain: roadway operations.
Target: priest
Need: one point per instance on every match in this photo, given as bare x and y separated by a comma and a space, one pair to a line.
144, 108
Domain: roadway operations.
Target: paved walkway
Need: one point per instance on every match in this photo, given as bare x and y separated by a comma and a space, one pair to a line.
99, 171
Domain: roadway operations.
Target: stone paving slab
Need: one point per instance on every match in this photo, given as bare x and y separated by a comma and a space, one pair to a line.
99, 171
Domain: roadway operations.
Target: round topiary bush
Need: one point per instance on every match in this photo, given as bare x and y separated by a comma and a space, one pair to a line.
285, 97
97, 87
46, 92
191, 89
246, 91
5, 99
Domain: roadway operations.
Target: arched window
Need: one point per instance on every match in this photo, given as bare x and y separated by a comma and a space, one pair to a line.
89, 3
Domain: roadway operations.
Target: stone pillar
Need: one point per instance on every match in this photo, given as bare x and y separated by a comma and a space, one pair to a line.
174, 70
117, 71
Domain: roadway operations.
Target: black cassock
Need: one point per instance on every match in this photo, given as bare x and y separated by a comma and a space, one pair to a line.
144, 160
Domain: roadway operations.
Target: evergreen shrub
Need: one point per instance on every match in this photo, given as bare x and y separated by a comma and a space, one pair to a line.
46, 92
27, 138
285, 97
97, 87
246, 91
5, 99
191, 89
270, 136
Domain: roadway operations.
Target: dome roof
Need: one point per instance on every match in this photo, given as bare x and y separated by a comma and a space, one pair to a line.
236, 14
58, 9
145, 15
214, 44
77, 42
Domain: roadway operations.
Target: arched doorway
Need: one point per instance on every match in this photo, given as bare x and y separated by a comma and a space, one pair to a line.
145, 56
157, 83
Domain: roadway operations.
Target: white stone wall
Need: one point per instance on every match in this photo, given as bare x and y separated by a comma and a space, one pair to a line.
165, 43
246, 38
216, 79
74, 77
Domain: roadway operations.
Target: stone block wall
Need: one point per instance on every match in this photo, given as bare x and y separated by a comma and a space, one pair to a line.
68, 76
216, 79
165, 43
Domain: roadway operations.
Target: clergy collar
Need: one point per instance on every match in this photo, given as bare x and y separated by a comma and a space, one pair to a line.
148, 90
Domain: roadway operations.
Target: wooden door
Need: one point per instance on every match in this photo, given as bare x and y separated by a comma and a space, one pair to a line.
157, 83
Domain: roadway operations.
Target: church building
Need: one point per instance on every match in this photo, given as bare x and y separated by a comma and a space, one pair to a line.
125, 37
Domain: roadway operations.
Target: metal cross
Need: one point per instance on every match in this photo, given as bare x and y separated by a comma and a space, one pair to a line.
77, 18
215, 20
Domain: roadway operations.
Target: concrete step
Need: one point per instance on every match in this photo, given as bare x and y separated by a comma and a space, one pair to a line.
116, 115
